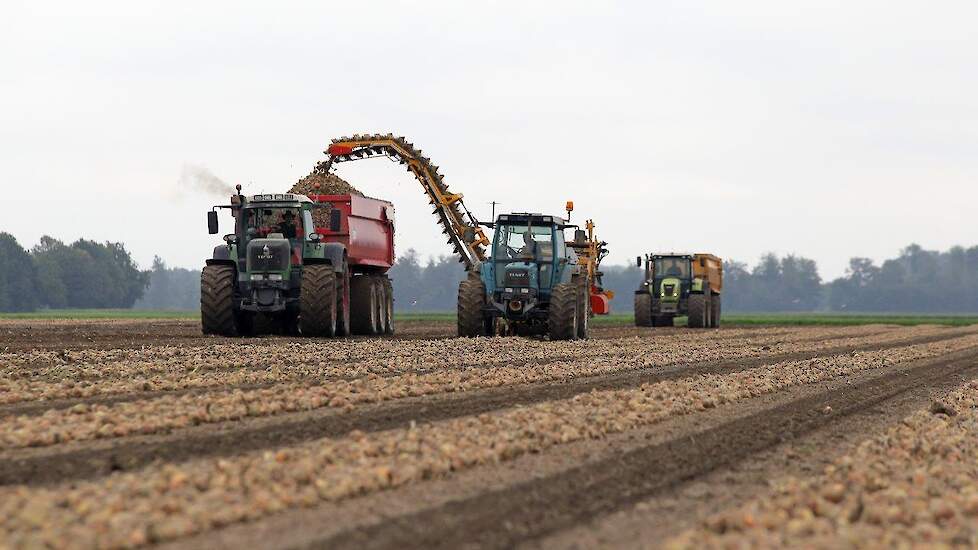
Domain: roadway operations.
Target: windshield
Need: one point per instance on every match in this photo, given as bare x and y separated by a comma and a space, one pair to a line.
671, 267
524, 243
261, 222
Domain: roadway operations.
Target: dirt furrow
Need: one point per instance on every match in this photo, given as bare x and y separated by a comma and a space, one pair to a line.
522, 513
144, 380
96, 458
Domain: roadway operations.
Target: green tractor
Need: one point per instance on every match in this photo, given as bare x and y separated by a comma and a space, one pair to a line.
534, 282
279, 272
679, 284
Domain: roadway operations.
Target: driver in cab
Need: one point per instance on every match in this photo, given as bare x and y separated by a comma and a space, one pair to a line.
529, 249
287, 225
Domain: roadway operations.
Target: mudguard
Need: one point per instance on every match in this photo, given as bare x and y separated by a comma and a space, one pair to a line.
221, 256
333, 253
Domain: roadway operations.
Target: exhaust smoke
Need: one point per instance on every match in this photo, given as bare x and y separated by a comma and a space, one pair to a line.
198, 178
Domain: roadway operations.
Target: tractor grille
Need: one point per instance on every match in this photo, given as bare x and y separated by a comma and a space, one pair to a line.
668, 289
517, 277
268, 255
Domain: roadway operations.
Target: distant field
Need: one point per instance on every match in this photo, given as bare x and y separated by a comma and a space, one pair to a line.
104, 314
609, 320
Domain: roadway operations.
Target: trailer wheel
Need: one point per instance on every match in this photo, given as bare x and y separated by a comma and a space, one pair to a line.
562, 318
363, 305
380, 302
697, 311
217, 315
389, 301
343, 302
715, 311
317, 301
471, 299
643, 310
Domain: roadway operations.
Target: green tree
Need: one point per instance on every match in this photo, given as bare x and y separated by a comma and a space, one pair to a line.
18, 291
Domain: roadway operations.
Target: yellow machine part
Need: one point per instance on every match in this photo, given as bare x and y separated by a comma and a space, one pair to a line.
463, 232
709, 267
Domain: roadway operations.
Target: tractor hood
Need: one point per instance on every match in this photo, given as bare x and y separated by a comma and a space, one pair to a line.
521, 274
269, 254
670, 289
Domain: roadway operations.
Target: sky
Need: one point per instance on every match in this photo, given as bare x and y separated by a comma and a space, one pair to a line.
825, 129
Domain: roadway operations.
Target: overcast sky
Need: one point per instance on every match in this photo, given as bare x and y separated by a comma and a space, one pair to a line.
825, 129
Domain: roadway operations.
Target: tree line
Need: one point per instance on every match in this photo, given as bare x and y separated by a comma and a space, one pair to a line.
88, 274
916, 281
84, 274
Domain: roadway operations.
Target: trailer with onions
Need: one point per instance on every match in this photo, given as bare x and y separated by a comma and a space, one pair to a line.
313, 265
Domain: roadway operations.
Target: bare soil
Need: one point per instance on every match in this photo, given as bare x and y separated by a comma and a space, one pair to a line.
627, 488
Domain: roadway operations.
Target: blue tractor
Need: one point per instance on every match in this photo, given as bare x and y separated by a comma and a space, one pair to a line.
534, 281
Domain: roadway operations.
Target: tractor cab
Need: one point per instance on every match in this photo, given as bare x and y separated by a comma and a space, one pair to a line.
669, 277
526, 261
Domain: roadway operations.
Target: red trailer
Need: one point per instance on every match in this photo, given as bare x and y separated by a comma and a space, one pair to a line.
365, 228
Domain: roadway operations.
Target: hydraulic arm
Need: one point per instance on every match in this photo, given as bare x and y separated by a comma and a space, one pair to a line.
458, 224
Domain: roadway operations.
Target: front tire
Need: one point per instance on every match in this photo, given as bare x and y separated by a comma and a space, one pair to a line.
697, 311
217, 315
643, 310
317, 301
562, 320
471, 300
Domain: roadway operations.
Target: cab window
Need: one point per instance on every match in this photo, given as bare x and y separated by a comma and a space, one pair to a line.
671, 267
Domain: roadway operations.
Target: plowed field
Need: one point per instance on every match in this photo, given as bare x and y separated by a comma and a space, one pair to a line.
132, 433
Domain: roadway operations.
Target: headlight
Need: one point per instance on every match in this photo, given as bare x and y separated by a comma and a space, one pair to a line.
275, 277
257, 277
525, 291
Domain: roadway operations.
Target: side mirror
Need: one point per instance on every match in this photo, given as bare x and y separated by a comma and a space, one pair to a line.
638, 261
334, 220
212, 222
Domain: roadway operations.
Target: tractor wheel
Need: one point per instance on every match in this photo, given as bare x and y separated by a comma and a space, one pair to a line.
471, 299
217, 313
715, 311
363, 305
317, 301
562, 319
643, 310
343, 303
697, 311
583, 308
389, 294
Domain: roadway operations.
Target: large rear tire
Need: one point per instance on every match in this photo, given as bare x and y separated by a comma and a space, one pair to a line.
363, 305
317, 300
698, 314
643, 310
217, 315
562, 318
715, 311
471, 299
583, 308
